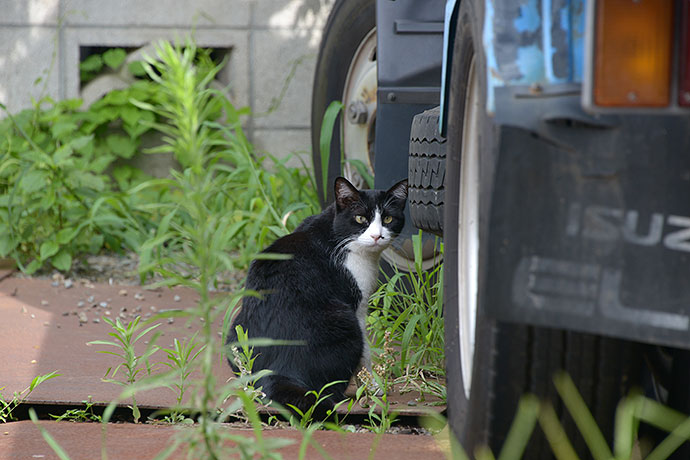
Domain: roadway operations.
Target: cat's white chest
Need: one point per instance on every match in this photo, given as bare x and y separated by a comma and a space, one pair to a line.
364, 268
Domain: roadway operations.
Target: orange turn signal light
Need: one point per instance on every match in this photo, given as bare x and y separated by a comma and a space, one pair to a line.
632, 53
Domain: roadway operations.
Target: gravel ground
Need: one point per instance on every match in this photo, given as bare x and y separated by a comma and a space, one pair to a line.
120, 269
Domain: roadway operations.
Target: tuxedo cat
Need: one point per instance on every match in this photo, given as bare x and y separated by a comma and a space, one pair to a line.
319, 295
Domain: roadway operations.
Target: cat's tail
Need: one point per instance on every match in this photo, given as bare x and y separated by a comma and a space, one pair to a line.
288, 392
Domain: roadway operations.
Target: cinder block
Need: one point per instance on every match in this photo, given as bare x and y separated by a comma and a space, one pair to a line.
29, 12
235, 73
281, 143
26, 54
159, 13
284, 60
292, 14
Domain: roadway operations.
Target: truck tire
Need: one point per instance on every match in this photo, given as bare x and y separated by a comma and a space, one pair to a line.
491, 364
347, 54
427, 172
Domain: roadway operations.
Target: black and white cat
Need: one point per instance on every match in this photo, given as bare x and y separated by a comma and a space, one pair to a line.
319, 296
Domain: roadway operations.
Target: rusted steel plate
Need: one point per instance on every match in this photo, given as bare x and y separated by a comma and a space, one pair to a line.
128, 441
41, 332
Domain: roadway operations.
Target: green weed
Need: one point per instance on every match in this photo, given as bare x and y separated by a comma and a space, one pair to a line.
407, 311
132, 363
181, 359
85, 414
7, 407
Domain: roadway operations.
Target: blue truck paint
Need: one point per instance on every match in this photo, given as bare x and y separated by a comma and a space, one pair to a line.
527, 43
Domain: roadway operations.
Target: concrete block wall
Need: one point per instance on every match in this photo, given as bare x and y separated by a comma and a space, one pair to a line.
269, 41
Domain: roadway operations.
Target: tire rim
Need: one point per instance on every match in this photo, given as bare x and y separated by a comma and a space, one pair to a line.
468, 230
359, 92
359, 99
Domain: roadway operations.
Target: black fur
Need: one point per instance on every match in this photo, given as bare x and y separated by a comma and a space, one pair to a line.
313, 298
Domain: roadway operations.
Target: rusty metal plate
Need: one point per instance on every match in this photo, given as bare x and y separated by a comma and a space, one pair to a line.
41, 332
129, 441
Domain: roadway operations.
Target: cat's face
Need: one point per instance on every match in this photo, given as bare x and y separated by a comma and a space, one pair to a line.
368, 220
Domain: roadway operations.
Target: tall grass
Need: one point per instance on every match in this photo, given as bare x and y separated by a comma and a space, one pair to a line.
407, 310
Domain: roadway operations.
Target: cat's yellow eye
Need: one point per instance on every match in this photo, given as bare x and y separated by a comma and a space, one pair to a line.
360, 219
387, 220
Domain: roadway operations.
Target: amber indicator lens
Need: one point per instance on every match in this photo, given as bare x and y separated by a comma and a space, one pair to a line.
684, 86
632, 53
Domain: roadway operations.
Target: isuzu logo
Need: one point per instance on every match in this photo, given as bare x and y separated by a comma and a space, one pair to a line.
606, 224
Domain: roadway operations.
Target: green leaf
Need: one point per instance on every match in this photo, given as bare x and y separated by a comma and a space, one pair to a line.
33, 180
66, 235
62, 154
93, 63
33, 266
136, 68
62, 261
121, 145
48, 249
82, 144
327, 127
6, 243
114, 57
63, 127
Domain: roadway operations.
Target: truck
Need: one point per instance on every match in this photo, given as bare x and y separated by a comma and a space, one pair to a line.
547, 142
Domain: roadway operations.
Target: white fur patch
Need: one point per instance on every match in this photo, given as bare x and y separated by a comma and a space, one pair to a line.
362, 261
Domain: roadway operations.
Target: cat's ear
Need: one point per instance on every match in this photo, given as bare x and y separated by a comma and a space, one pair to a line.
398, 191
345, 193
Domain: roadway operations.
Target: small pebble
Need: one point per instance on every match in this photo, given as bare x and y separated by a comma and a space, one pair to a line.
46, 323
103, 304
96, 320
171, 320
123, 292
138, 296
55, 283
58, 326
110, 281
412, 403
65, 313
176, 298
33, 316
83, 319
6, 433
123, 316
56, 277
68, 284
153, 308
138, 309
81, 303
90, 299
45, 303
107, 313
33, 361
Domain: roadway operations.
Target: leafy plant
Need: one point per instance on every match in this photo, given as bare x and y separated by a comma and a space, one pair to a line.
7, 407
181, 359
85, 414
56, 199
375, 388
407, 311
306, 418
132, 363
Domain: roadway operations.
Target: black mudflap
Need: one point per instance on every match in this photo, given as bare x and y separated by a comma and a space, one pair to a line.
590, 229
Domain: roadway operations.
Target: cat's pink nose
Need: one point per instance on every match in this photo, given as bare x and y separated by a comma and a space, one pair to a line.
376, 238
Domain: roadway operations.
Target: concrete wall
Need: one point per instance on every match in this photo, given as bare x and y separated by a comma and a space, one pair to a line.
269, 40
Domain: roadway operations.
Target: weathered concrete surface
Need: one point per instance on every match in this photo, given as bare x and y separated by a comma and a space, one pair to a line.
129, 441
